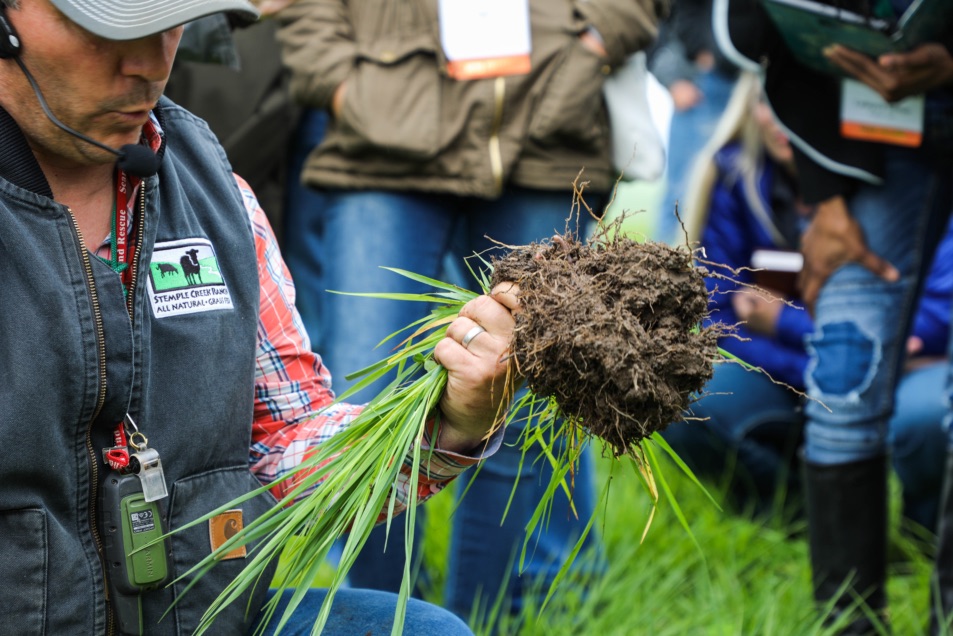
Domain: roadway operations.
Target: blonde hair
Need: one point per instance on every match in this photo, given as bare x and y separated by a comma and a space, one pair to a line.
736, 124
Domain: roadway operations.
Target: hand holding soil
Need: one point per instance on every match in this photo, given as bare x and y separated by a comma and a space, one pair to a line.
474, 354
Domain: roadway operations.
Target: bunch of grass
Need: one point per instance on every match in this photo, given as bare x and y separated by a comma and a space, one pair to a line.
357, 470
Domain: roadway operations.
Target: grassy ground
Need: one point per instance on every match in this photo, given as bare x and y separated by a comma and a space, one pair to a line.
641, 202
731, 576
742, 577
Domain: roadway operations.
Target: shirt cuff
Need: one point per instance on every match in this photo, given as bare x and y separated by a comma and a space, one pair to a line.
443, 465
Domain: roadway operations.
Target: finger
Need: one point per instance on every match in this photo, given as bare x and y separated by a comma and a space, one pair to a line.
809, 286
592, 43
490, 313
477, 340
914, 345
920, 56
463, 328
847, 59
864, 68
452, 355
741, 303
483, 346
507, 294
880, 267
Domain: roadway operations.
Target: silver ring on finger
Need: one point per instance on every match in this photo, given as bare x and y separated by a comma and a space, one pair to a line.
473, 333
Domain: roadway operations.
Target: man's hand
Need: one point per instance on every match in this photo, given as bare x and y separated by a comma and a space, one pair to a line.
833, 239
477, 373
758, 310
897, 75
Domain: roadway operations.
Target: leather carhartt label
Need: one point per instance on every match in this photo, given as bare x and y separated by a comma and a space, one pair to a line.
223, 527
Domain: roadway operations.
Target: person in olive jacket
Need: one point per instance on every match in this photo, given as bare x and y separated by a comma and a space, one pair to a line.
448, 128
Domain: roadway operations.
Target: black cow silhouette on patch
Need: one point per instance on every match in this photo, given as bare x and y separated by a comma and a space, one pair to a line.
191, 268
168, 268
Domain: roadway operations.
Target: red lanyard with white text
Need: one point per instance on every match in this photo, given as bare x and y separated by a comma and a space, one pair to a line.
123, 249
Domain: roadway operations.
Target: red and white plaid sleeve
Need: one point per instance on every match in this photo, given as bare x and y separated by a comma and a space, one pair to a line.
294, 404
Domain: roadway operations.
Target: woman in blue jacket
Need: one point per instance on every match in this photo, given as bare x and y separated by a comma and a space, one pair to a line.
747, 426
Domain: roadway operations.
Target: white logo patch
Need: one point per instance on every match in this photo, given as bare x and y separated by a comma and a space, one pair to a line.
184, 278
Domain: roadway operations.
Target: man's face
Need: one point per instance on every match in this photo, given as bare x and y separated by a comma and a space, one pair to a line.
102, 88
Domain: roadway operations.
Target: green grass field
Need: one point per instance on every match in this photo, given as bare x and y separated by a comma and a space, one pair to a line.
731, 576
742, 577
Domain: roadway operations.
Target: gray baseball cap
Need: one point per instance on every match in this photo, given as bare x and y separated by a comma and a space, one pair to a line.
132, 19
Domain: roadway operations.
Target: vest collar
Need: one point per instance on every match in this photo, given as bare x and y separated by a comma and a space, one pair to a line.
17, 163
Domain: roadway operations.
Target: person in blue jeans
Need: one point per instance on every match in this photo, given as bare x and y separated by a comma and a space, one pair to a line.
699, 78
484, 549
880, 210
427, 154
747, 427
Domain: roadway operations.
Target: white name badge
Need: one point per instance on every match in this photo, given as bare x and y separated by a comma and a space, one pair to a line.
865, 115
485, 38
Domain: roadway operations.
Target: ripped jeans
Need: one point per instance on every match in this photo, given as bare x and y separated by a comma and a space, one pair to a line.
861, 321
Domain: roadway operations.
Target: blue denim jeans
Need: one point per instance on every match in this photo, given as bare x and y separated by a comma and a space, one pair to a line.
861, 321
358, 612
303, 227
690, 130
918, 441
342, 244
747, 430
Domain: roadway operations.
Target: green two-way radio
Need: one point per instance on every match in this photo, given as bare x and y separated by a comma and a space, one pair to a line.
135, 561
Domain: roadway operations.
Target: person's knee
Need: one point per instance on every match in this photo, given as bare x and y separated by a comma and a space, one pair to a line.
427, 618
846, 359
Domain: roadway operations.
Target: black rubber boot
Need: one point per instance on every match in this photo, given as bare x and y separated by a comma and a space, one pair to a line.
847, 535
941, 583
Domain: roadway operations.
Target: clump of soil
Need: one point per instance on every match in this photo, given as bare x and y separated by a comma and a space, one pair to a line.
612, 330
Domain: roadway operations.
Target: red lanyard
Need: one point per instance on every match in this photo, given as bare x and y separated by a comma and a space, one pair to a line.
117, 456
123, 252
122, 228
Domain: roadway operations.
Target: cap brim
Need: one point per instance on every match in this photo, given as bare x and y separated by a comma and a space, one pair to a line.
133, 19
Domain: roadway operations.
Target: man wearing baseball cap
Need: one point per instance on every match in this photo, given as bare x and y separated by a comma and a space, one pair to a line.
152, 364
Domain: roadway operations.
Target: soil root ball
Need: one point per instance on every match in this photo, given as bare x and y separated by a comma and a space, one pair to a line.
612, 330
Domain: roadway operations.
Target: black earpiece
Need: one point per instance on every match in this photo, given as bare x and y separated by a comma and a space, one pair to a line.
9, 42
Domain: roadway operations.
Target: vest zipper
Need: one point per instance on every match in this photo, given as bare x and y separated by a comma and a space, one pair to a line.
135, 260
496, 152
100, 401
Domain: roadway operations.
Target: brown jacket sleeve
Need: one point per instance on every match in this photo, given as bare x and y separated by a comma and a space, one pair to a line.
626, 26
318, 46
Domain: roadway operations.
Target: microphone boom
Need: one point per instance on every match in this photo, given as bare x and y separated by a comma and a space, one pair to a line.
134, 159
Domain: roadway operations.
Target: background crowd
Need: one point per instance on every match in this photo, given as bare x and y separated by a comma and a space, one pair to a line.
368, 147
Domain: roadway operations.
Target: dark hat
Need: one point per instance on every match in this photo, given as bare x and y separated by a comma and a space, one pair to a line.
132, 19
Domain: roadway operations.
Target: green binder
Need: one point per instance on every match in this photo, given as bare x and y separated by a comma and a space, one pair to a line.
809, 27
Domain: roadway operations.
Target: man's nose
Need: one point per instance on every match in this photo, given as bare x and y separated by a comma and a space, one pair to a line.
150, 58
